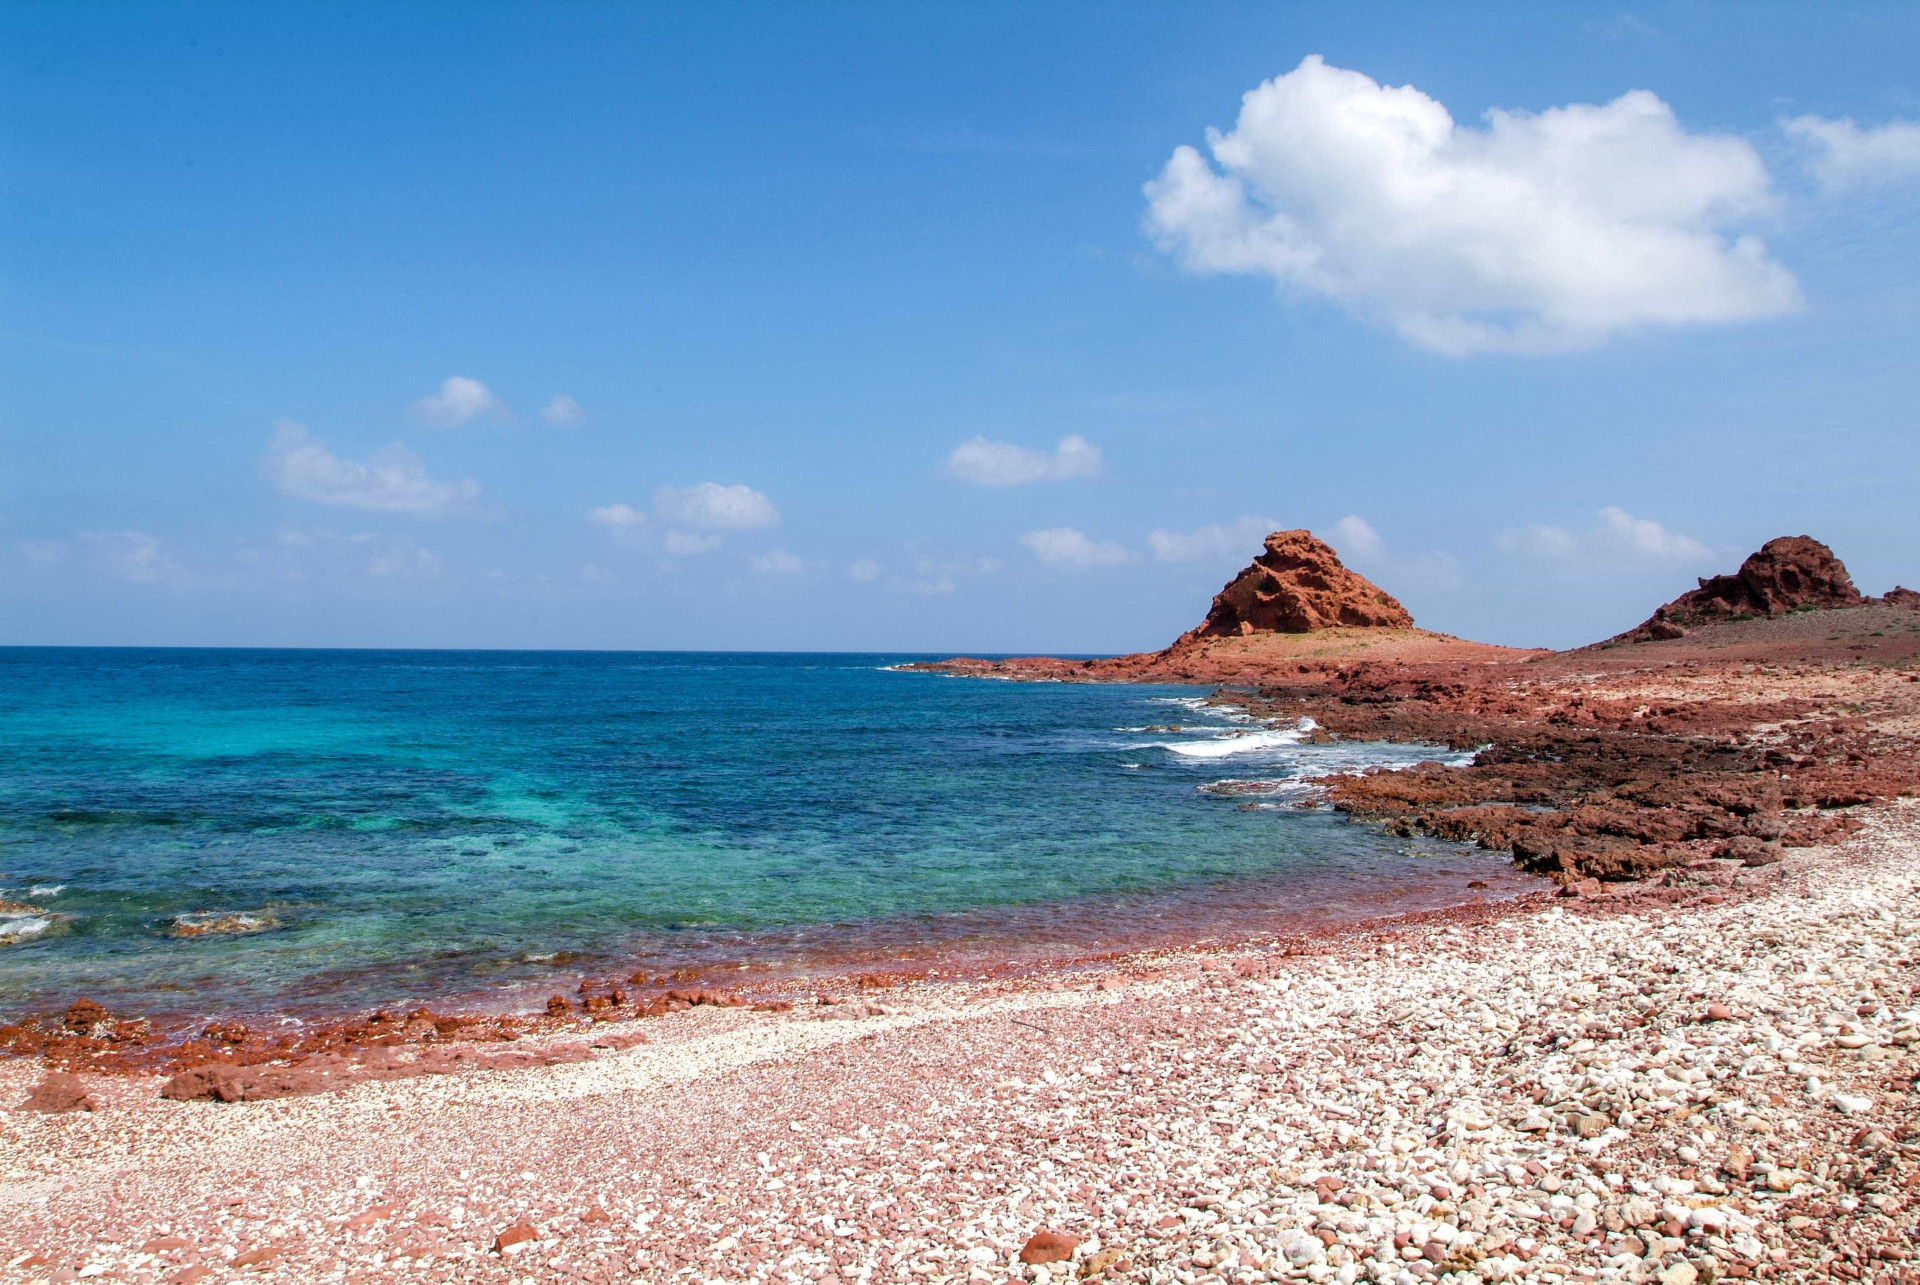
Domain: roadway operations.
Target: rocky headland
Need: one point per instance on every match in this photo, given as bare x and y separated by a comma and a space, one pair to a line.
1756, 713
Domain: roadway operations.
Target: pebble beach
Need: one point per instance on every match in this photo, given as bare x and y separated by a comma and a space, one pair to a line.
1550, 1091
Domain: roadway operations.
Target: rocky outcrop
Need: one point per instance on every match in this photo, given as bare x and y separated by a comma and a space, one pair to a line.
1296, 586
1902, 597
1791, 573
60, 1092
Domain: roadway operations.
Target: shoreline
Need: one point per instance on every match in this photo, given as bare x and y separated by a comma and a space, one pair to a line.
361, 1042
1570, 1089
1631, 774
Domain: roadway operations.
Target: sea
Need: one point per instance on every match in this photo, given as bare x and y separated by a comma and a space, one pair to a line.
189, 833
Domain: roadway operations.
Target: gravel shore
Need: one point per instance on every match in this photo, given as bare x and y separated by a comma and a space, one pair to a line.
1553, 1093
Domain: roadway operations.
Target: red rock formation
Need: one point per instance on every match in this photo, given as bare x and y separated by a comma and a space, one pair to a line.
1793, 572
61, 1091
1297, 586
1902, 597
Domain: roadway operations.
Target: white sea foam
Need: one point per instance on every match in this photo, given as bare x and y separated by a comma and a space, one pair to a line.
1230, 743
46, 890
15, 929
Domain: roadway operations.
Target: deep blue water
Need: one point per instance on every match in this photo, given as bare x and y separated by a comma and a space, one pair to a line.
401, 825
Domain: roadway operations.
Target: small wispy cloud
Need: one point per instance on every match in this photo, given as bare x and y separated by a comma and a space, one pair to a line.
989, 463
1845, 155
709, 506
459, 400
1354, 537
1618, 535
1065, 548
562, 410
686, 544
132, 555
392, 480
1222, 543
776, 562
616, 517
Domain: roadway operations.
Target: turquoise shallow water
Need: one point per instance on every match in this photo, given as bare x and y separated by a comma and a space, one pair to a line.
410, 825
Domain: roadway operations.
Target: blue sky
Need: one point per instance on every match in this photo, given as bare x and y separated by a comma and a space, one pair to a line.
938, 327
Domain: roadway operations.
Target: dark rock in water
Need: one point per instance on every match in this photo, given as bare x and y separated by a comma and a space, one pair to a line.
1296, 586
60, 1092
1790, 573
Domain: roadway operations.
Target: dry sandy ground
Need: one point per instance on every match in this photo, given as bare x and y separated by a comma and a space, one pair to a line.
1555, 1094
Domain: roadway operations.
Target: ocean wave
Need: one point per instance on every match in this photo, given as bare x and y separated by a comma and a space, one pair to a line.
1230, 743
16, 928
222, 923
46, 890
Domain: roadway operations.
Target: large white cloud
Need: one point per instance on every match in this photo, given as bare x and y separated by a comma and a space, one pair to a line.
989, 463
1845, 155
1536, 233
459, 400
393, 480
1064, 547
710, 506
1239, 541
1619, 535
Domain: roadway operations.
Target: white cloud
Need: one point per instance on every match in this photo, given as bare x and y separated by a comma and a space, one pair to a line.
1645, 538
616, 517
1062, 546
1844, 155
1354, 537
987, 463
776, 562
590, 574
1619, 535
1239, 541
710, 506
562, 409
134, 555
459, 400
683, 544
864, 569
1539, 541
1535, 233
391, 481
